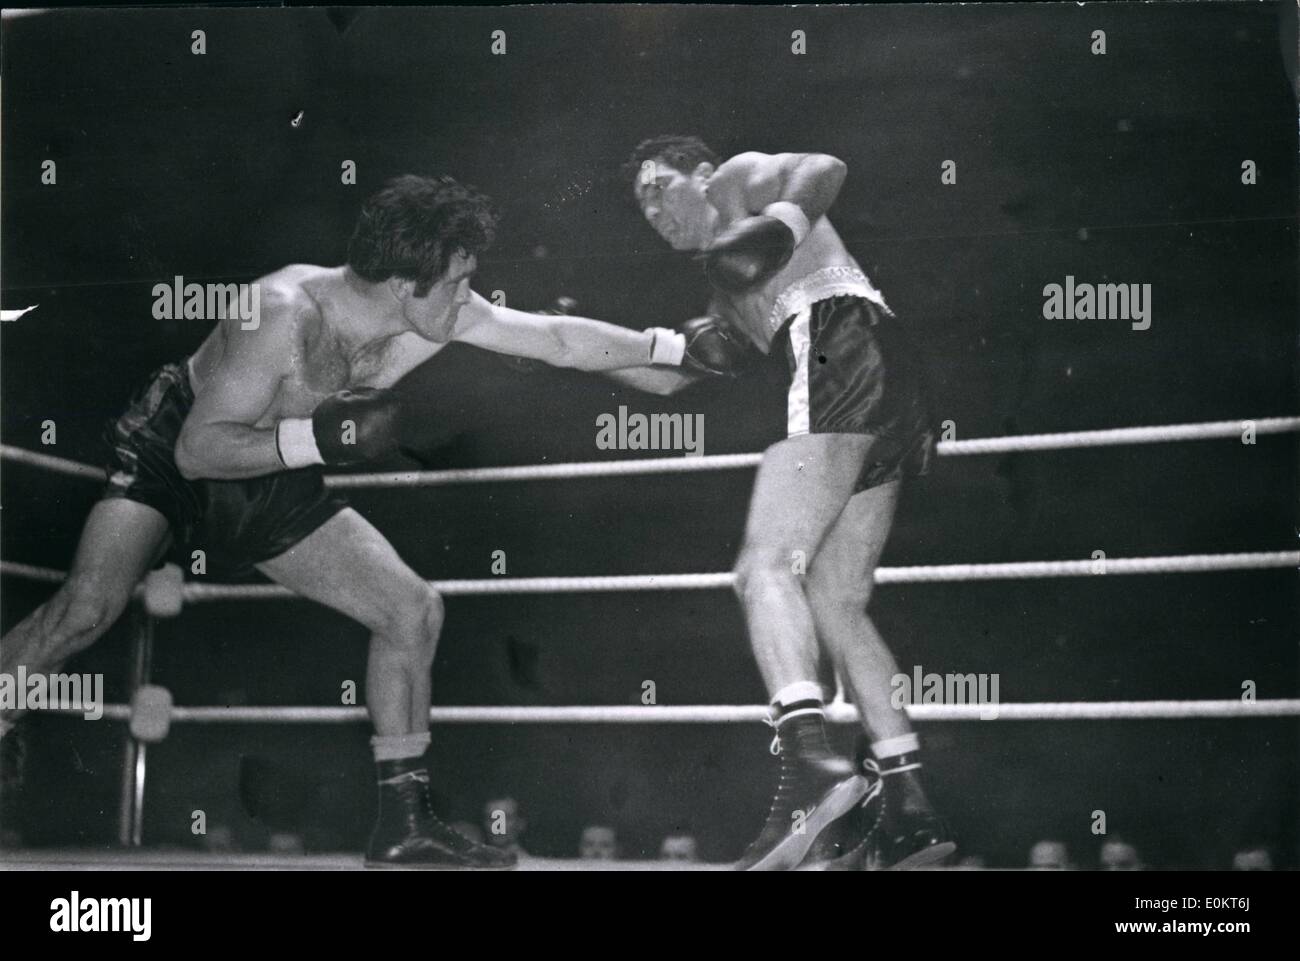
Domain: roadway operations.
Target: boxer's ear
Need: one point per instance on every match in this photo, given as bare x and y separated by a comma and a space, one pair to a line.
400, 287
704, 170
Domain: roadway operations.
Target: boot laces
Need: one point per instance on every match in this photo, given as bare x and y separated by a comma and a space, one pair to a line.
780, 808
875, 789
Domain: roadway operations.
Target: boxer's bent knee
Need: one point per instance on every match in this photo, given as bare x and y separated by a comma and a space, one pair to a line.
833, 599
761, 571
414, 619
79, 614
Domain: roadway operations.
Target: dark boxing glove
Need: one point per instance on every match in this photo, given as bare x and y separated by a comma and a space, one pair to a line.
713, 348
345, 428
752, 250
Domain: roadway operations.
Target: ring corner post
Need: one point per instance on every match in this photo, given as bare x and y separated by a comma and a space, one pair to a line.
130, 831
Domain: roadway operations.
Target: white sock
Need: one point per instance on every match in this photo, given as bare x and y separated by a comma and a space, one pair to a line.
798, 691
898, 754
399, 747
894, 746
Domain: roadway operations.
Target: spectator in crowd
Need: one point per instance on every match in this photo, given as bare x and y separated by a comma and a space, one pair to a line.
286, 844
11, 839
219, 839
1050, 855
1118, 854
599, 842
679, 847
1257, 857
504, 824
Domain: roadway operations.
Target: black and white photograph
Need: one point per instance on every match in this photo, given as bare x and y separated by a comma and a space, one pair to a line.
646, 438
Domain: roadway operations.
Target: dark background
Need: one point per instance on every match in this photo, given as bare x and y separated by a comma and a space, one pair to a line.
1117, 168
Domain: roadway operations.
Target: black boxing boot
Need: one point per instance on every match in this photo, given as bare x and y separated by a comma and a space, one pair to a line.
911, 840
852, 842
815, 789
408, 833
911, 835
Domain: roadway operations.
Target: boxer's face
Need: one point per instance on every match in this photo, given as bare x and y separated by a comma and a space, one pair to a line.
433, 316
675, 204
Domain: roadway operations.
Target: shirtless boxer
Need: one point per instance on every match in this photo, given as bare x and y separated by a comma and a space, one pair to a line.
824, 498
224, 452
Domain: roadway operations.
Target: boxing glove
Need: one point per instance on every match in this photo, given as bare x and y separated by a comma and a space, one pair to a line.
348, 427
713, 348
747, 253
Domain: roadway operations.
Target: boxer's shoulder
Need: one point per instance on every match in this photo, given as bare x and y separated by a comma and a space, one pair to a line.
733, 177
751, 168
295, 298
747, 163
746, 183
294, 286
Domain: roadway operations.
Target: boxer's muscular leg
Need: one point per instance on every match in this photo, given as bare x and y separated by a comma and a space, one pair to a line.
802, 486
346, 564
120, 542
839, 585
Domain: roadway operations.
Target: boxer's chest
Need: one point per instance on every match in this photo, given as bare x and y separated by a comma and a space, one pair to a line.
322, 368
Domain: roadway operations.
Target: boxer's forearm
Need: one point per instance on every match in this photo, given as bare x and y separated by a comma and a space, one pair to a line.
654, 380
593, 345
565, 341
226, 452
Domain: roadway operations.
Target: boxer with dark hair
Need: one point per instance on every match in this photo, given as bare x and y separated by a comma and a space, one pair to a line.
224, 451
824, 498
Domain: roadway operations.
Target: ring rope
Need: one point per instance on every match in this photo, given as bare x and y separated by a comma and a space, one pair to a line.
664, 465
57, 465
732, 713
943, 573
533, 472
1114, 437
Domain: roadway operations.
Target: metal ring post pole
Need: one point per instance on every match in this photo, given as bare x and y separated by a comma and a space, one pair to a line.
130, 829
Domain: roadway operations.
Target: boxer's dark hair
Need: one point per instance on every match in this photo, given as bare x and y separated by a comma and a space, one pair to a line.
413, 225
679, 152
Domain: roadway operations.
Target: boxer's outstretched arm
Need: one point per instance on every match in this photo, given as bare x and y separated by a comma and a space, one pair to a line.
749, 182
655, 380
561, 341
218, 440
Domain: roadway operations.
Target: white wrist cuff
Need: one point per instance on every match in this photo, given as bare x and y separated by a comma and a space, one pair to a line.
792, 215
296, 442
667, 346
